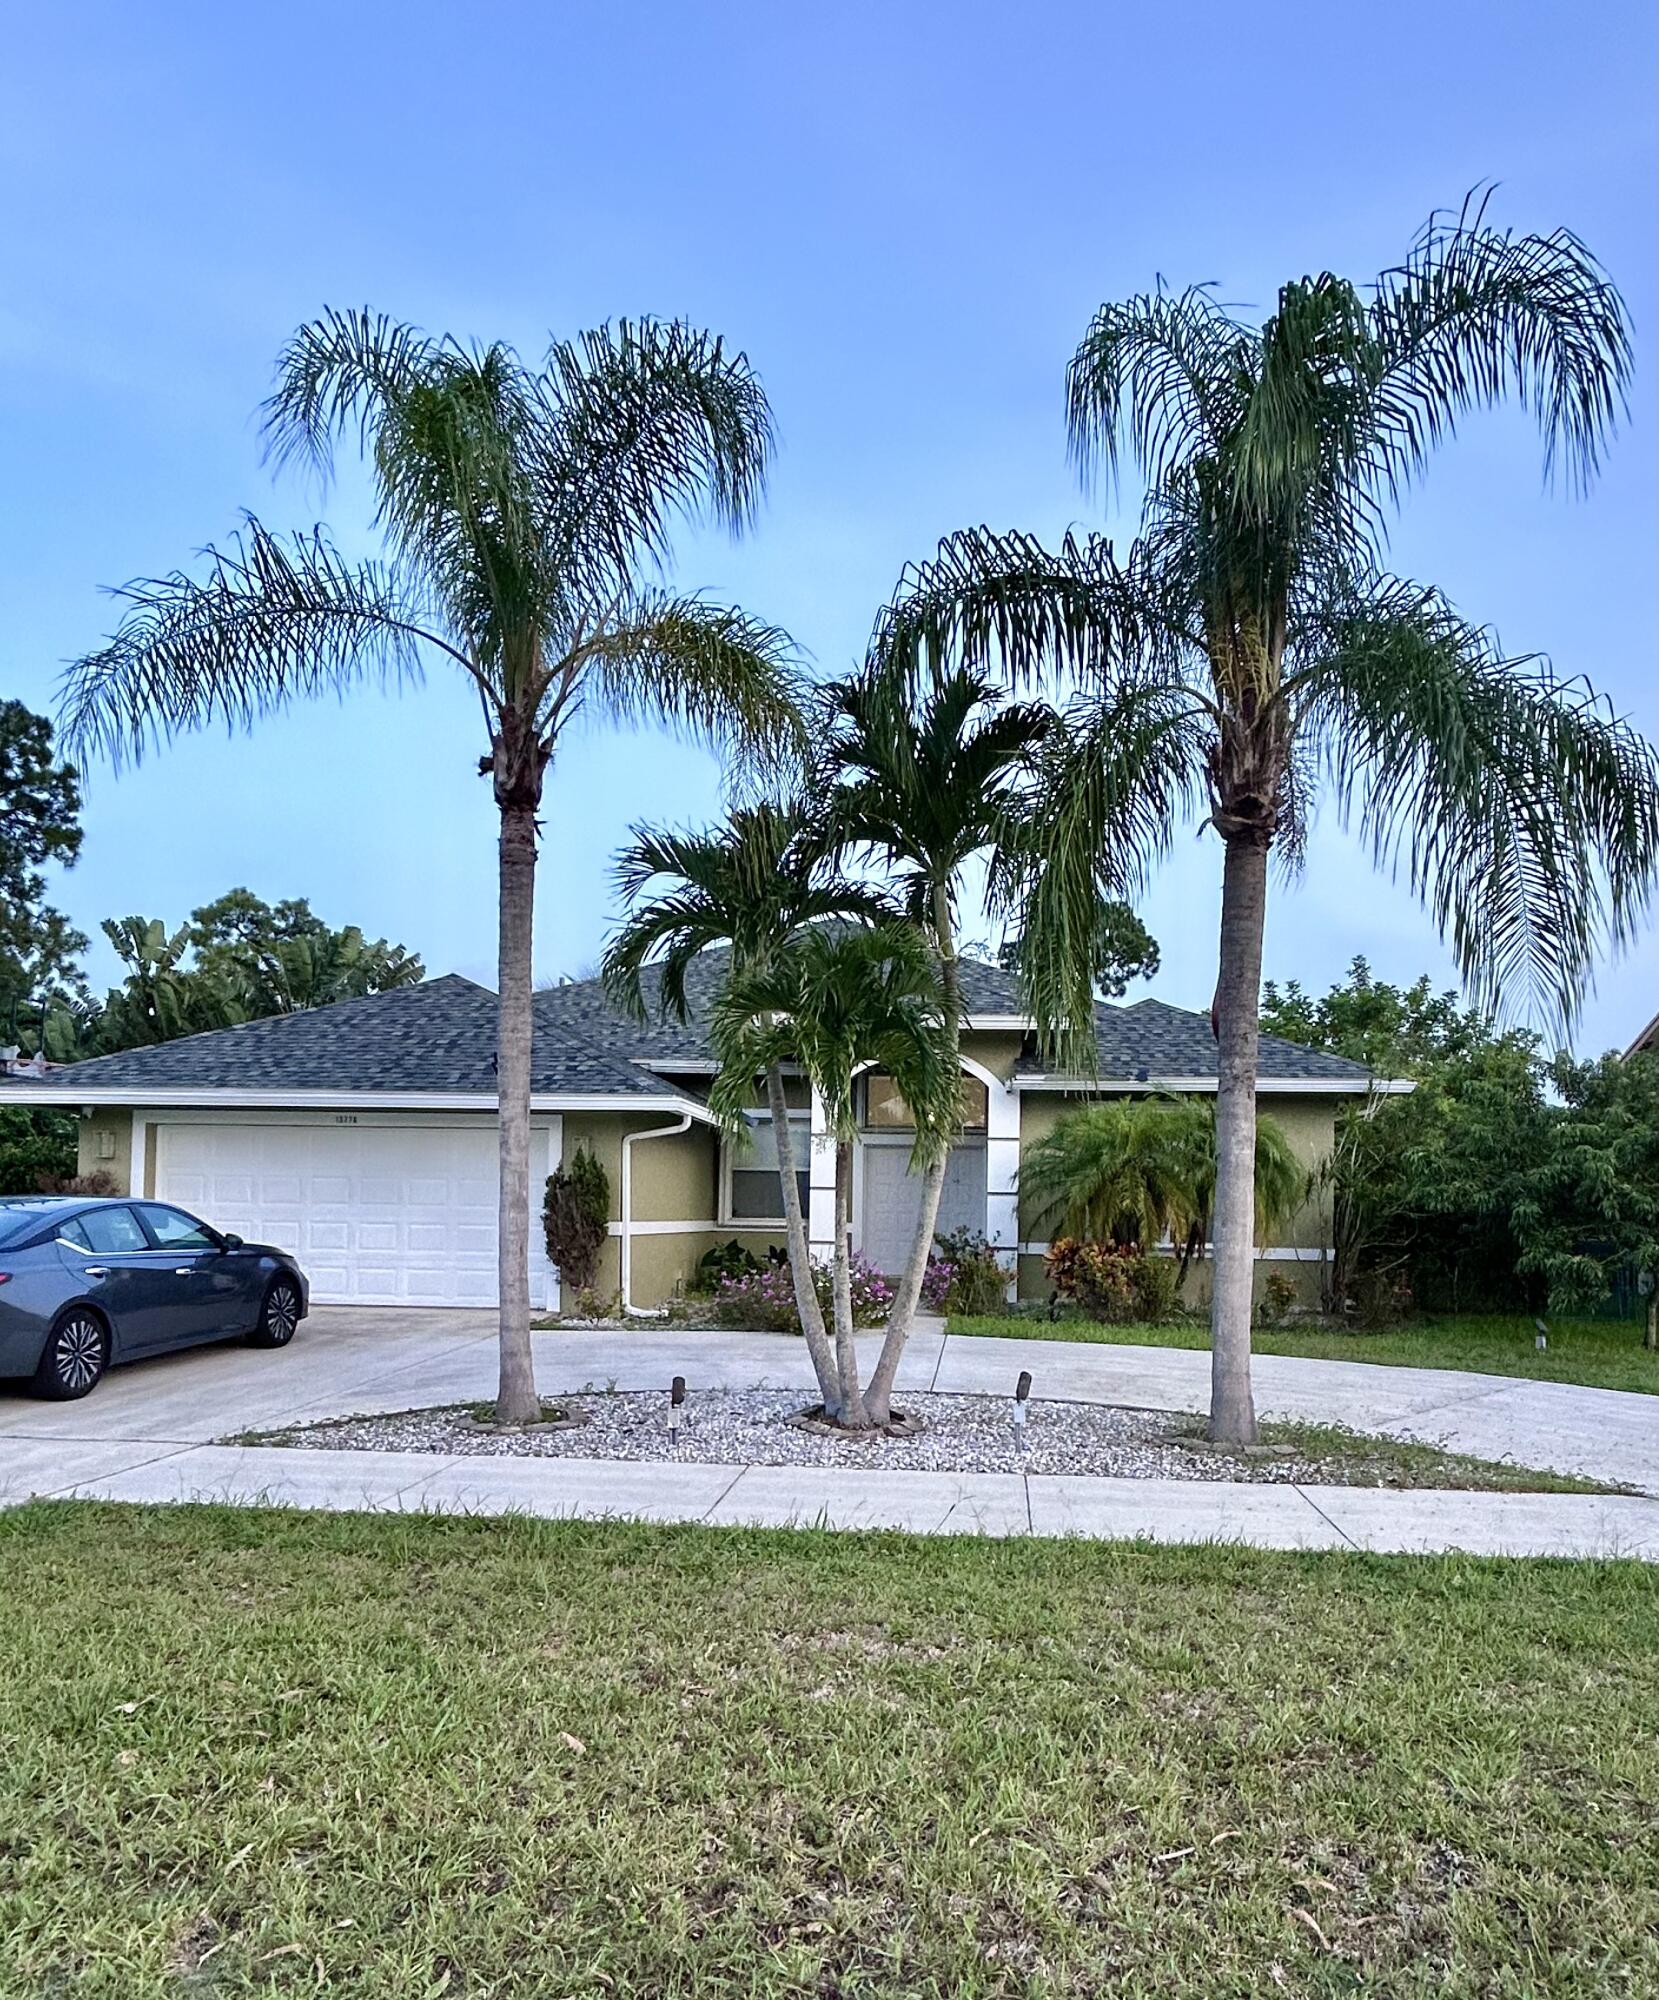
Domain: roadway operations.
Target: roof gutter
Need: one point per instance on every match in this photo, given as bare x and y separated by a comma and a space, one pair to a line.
628, 1139
147, 1098
1283, 1086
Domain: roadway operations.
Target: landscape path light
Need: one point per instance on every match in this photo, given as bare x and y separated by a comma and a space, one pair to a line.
1022, 1397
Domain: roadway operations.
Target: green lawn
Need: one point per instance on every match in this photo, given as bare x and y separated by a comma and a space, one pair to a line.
1601, 1354
284, 1754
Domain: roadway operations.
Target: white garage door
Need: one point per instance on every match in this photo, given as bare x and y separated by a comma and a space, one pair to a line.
377, 1215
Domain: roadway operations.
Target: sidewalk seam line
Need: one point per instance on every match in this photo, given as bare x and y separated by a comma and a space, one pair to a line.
725, 1490
1337, 1525
135, 1465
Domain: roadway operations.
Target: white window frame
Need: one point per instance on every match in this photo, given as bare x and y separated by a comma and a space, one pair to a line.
800, 1126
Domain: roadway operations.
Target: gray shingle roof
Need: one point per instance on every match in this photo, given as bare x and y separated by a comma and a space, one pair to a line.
439, 1038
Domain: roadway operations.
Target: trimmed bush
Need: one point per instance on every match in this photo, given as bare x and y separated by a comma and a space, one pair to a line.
576, 1213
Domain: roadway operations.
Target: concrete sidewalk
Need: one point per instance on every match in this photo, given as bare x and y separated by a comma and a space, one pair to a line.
1159, 1510
147, 1433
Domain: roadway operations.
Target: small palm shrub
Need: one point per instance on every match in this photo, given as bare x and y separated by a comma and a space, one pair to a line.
1119, 1285
576, 1213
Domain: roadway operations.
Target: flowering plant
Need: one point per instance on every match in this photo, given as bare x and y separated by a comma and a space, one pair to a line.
763, 1301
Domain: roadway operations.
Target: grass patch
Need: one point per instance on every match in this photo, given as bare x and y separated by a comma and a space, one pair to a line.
1338, 1456
272, 1753
1598, 1354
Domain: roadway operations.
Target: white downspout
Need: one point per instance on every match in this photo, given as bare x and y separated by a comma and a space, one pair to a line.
654, 1132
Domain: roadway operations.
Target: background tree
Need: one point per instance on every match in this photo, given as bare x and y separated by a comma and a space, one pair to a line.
1122, 950
526, 513
40, 806
754, 884
839, 1001
284, 959
1505, 1181
1254, 624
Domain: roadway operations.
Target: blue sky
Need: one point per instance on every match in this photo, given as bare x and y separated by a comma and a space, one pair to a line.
904, 212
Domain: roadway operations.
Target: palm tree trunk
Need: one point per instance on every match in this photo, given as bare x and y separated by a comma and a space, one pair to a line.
852, 1413
901, 1317
516, 1400
800, 1252
1237, 1000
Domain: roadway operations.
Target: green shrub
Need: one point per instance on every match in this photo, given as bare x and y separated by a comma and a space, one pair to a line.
37, 1148
1154, 1281
1118, 1285
720, 1261
1279, 1298
576, 1213
974, 1282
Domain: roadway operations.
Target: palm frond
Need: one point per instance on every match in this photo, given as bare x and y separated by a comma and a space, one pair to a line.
1523, 811
714, 675
1113, 784
1475, 314
647, 422
339, 371
1003, 604
1168, 373
754, 882
273, 620
838, 1002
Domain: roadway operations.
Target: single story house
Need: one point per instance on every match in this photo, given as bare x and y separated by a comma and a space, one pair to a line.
362, 1135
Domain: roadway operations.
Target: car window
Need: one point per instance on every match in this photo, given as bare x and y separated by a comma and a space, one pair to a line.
72, 1232
109, 1231
174, 1230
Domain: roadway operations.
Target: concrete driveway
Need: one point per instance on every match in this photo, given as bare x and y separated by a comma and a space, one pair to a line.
148, 1430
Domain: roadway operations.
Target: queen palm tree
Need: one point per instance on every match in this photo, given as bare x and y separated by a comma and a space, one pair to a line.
754, 883
839, 1001
1270, 650
526, 512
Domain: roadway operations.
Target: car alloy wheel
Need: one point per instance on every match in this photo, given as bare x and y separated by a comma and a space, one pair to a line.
78, 1353
282, 1315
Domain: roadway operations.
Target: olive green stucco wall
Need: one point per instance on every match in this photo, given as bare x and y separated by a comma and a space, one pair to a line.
104, 1146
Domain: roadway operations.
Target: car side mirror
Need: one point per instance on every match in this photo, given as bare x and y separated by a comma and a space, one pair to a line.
233, 1242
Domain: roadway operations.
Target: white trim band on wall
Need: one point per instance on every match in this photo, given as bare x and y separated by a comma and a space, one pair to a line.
1283, 1253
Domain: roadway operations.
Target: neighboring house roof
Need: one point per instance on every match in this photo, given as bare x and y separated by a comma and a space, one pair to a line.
1647, 1042
437, 1041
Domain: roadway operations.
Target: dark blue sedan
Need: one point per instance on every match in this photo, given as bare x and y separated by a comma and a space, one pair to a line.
86, 1283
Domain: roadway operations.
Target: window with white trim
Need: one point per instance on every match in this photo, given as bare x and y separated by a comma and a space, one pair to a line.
752, 1191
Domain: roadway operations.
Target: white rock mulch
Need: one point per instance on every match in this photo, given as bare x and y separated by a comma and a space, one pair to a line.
752, 1427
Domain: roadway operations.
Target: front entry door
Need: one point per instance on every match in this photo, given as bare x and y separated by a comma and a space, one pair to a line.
892, 1199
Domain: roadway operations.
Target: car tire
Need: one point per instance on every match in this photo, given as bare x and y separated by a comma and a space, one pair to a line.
73, 1361
279, 1316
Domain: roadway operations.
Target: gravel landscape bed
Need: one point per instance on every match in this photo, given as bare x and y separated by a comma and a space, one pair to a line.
960, 1434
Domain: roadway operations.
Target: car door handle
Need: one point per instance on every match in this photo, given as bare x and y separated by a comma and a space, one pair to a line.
96, 1271
183, 1270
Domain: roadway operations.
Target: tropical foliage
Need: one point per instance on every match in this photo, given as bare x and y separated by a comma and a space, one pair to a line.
1135, 1171
1252, 651
526, 512
40, 802
838, 1001
1505, 1179
753, 885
